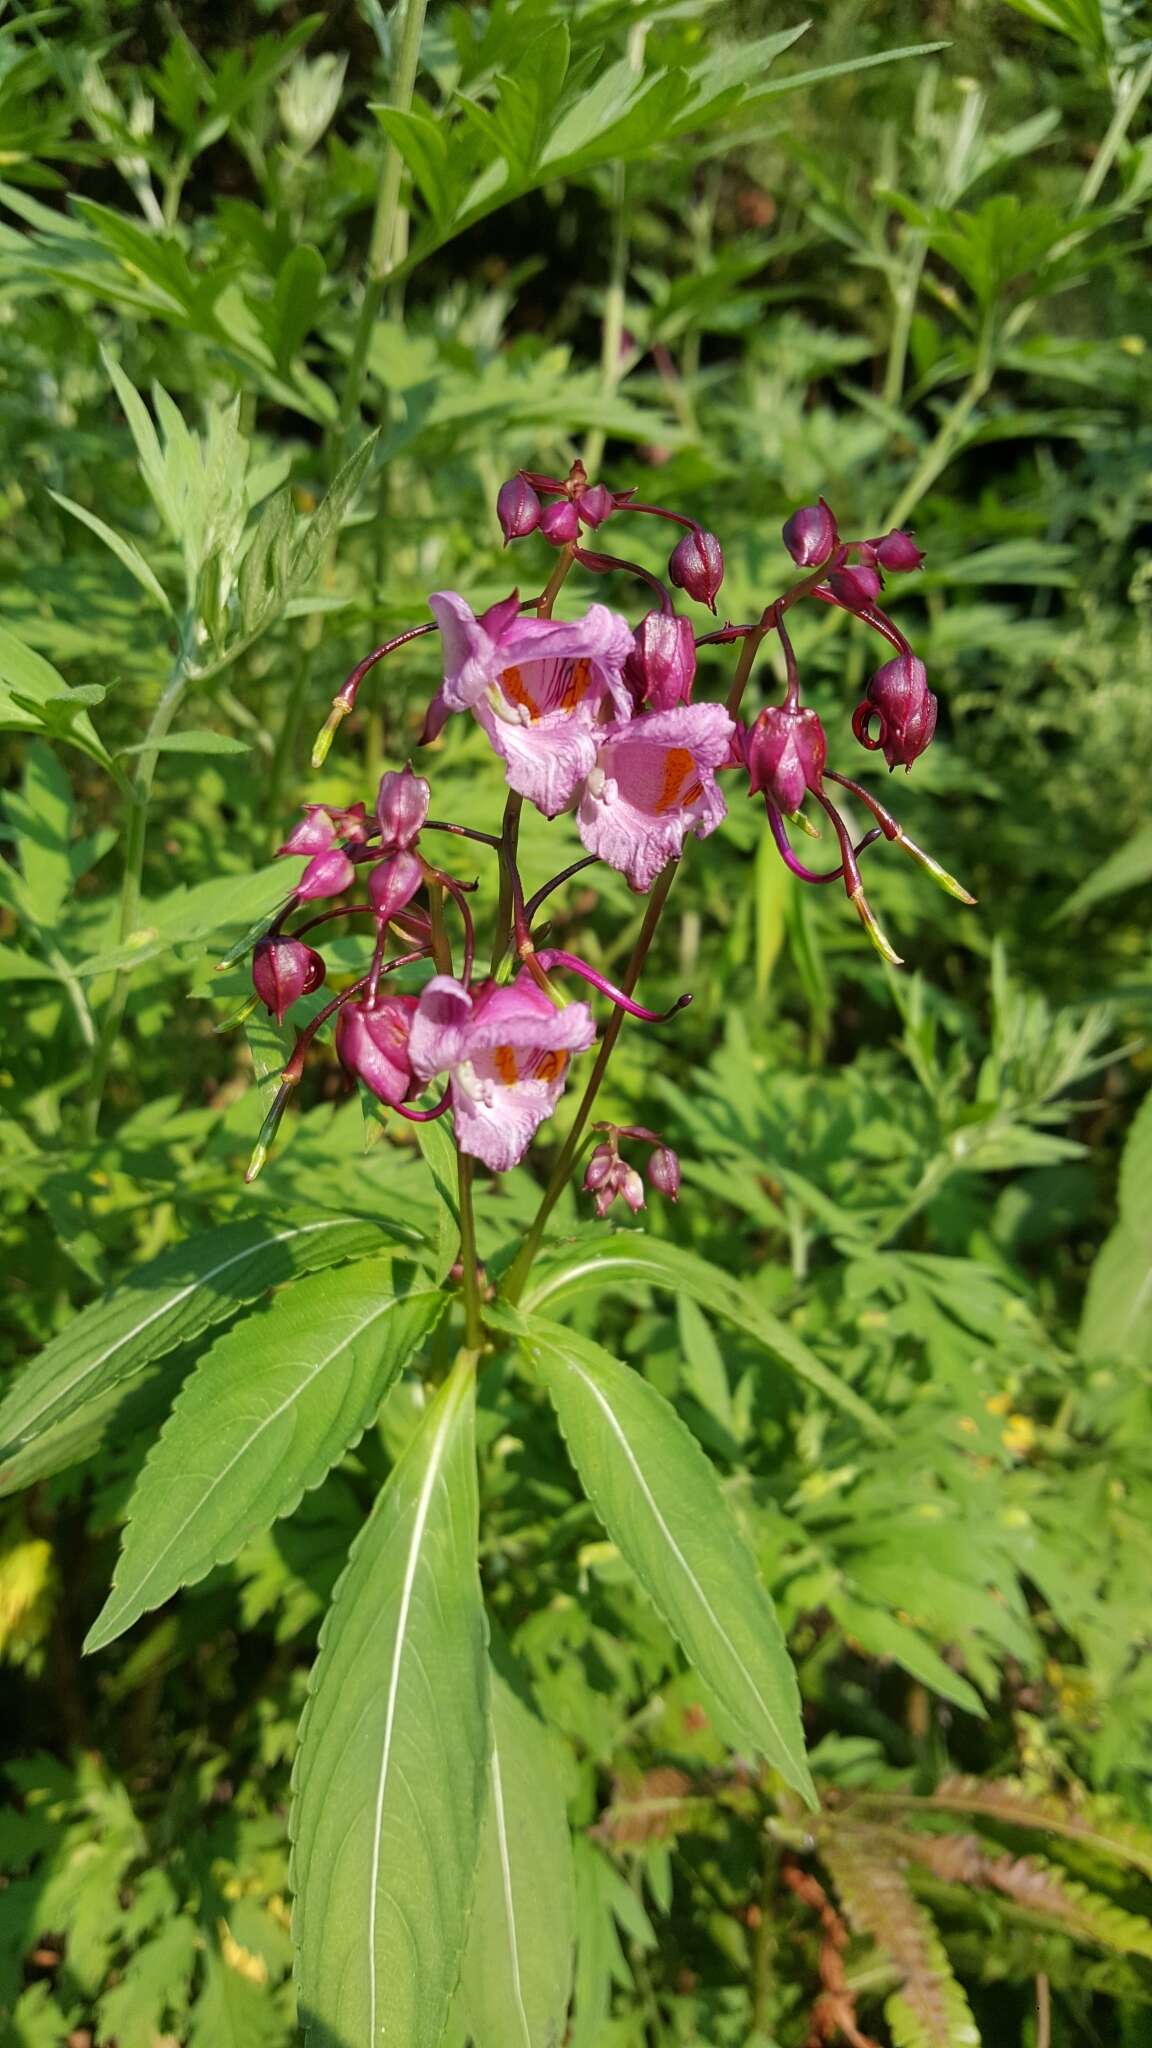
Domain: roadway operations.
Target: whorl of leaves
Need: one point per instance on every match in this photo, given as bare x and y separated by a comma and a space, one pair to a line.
1035, 1885
929, 2009
1089, 1821
661, 1805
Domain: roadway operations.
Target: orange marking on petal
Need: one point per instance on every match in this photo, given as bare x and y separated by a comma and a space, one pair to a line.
550, 1065
512, 684
576, 688
506, 1066
678, 763
690, 795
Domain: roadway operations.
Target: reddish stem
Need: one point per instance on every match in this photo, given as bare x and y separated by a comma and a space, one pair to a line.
603, 564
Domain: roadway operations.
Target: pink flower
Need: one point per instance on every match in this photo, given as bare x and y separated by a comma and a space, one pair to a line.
654, 782
535, 685
506, 1053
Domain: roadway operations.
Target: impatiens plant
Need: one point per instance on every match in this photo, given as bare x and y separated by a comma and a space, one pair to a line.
419, 1830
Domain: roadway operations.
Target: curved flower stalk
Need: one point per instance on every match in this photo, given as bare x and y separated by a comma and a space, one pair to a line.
600, 717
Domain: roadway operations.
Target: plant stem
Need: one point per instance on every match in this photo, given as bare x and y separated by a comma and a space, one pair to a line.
135, 836
389, 221
473, 1323
1132, 92
509, 839
441, 949
522, 1264
764, 1950
906, 298
1043, 2012
941, 449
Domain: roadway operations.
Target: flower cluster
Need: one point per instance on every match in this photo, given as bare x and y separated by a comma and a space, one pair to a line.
598, 717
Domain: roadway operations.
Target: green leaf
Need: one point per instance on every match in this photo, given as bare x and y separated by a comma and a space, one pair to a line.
1080, 20
1128, 868
232, 2012
660, 1501
167, 1302
123, 549
265, 568
1117, 1318
267, 1412
389, 1780
191, 743
630, 1256
325, 521
33, 694
703, 1374
154, 466
41, 815
883, 1635
294, 304
186, 917
440, 1158
517, 1972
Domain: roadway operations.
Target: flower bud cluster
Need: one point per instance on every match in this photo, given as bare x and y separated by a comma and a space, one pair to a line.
609, 1177
600, 717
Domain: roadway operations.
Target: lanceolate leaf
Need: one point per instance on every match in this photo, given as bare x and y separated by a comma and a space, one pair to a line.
517, 1973
630, 1256
165, 1303
389, 1784
1117, 1318
265, 1415
661, 1503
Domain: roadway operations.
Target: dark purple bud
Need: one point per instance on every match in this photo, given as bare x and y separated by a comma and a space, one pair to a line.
696, 565
810, 535
897, 551
602, 1163
786, 751
314, 833
372, 1046
327, 874
594, 505
856, 587
560, 522
664, 1172
517, 508
393, 883
401, 807
904, 709
283, 970
661, 668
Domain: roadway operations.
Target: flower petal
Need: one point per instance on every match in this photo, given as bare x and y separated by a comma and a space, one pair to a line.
544, 761
653, 783
470, 657
440, 1026
495, 1121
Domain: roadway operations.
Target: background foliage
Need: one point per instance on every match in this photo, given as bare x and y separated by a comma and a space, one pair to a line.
739, 279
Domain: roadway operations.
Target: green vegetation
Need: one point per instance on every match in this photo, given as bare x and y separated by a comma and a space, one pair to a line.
283, 301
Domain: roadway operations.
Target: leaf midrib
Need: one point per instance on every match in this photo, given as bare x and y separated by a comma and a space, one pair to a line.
602, 1401
378, 1309
423, 1508
173, 1301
